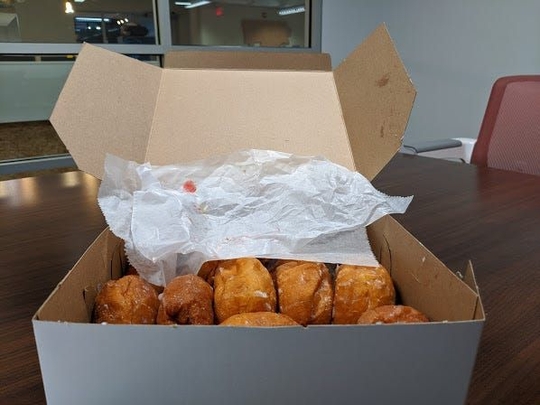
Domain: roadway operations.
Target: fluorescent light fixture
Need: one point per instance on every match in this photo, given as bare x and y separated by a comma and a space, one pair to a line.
78, 1
91, 19
198, 4
292, 10
69, 8
183, 3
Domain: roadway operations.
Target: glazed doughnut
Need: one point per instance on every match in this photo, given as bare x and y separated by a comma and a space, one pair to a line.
242, 285
208, 271
359, 288
392, 314
132, 271
272, 264
186, 300
259, 319
128, 300
305, 292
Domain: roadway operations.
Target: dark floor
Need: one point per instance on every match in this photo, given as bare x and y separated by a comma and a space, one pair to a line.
29, 139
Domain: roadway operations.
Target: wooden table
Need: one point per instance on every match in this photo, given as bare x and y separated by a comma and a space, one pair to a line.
460, 212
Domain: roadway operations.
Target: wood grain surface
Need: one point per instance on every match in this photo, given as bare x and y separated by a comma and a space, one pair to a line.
491, 217
46, 223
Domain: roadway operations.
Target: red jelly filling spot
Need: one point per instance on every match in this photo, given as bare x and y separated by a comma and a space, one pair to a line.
189, 186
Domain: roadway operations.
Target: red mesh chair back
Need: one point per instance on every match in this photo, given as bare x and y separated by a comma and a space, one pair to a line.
509, 137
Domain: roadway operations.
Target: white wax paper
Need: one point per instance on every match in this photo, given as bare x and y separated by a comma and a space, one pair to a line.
249, 203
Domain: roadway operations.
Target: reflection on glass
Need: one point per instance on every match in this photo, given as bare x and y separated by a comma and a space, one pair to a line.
95, 21
264, 23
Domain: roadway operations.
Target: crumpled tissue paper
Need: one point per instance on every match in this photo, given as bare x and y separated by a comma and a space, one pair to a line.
255, 203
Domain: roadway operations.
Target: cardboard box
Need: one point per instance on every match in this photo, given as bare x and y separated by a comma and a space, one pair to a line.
356, 117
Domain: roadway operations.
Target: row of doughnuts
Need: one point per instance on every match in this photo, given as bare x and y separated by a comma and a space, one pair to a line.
246, 292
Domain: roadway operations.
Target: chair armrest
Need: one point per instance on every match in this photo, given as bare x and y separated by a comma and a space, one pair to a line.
467, 147
430, 146
449, 148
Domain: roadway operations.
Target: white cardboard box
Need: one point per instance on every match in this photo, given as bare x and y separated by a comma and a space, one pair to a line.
356, 117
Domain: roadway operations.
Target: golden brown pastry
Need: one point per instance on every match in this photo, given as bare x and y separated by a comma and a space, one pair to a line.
305, 292
392, 314
259, 319
132, 271
129, 299
186, 300
359, 288
242, 285
162, 317
208, 271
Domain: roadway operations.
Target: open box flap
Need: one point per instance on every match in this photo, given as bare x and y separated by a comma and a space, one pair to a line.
115, 104
202, 113
247, 60
376, 96
106, 106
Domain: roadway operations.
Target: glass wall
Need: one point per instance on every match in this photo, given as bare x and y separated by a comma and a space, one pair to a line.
95, 21
267, 23
262, 23
40, 39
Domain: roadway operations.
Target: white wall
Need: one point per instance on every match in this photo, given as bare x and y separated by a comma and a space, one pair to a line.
453, 51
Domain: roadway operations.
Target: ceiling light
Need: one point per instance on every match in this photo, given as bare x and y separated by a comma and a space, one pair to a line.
91, 19
69, 8
292, 10
78, 1
183, 3
198, 4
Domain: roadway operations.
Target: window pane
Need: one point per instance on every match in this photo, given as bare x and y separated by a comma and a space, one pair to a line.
95, 21
31, 84
265, 23
30, 88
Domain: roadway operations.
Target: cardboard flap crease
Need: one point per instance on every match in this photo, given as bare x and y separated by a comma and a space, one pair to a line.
355, 116
247, 60
470, 279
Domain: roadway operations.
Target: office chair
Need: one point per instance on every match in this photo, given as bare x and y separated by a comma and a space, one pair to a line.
509, 136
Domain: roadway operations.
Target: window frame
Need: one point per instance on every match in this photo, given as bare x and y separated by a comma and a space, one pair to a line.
162, 23
162, 26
